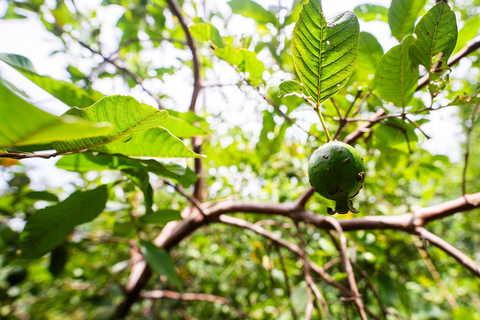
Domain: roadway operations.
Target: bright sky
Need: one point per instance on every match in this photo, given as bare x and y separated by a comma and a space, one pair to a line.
29, 38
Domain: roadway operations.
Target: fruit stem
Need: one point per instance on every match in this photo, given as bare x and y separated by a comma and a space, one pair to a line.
319, 112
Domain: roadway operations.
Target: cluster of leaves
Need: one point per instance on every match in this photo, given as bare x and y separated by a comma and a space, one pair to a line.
88, 234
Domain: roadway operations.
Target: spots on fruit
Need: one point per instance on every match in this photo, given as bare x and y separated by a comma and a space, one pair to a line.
339, 150
325, 156
361, 176
328, 169
335, 191
347, 160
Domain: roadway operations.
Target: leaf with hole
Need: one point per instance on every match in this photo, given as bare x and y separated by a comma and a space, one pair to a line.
324, 50
436, 36
289, 87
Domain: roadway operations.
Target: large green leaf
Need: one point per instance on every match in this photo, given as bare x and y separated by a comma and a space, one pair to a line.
160, 261
370, 12
126, 115
66, 92
161, 217
83, 162
156, 142
251, 9
23, 124
49, 227
181, 128
324, 50
436, 38
402, 16
369, 54
396, 76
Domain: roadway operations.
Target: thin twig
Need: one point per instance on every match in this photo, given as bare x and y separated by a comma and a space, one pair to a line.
197, 204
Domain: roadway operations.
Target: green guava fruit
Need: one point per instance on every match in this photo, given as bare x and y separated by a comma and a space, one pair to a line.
337, 172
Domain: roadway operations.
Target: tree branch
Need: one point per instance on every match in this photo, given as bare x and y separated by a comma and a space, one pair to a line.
449, 249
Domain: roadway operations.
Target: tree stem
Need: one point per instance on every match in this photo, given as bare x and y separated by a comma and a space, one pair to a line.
319, 112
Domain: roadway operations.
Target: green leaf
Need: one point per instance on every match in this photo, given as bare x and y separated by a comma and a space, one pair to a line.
370, 12
251, 9
402, 16
462, 313
42, 195
83, 162
140, 178
181, 128
126, 115
160, 261
156, 142
289, 87
161, 217
63, 91
23, 124
436, 36
17, 61
324, 50
207, 32
49, 227
470, 30
393, 135
247, 63
369, 54
58, 260
396, 75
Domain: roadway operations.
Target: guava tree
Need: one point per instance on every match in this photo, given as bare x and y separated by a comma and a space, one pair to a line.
232, 228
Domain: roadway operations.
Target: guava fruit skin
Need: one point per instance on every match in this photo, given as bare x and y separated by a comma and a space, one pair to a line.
336, 171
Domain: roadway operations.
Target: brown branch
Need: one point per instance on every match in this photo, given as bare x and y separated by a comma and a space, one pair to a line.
449, 249
197, 86
474, 45
166, 294
348, 266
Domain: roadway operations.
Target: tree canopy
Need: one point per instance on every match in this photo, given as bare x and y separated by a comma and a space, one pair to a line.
187, 128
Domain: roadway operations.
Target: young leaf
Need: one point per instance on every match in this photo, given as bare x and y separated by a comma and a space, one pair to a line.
324, 50
465, 100
251, 9
396, 76
371, 12
436, 38
160, 261
49, 227
247, 62
289, 87
207, 32
156, 142
402, 16
21, 123
126, 115
66, 92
